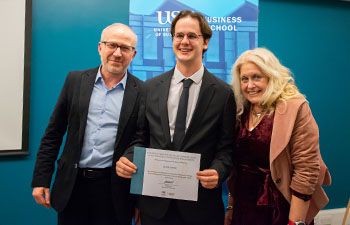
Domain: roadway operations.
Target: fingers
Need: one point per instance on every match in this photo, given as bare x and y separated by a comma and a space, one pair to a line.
228, 217
208, 178
125, 168
42, 196
47, 197
38, 194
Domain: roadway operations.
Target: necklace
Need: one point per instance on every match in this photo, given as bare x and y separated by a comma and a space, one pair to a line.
257, 114
256, 117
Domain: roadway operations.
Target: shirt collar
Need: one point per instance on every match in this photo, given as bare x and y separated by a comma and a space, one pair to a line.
196, 77
121, 83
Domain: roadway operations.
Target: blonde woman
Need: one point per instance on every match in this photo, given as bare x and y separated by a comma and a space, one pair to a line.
279, 170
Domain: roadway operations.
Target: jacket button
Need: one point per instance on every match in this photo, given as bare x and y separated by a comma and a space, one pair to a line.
278, 180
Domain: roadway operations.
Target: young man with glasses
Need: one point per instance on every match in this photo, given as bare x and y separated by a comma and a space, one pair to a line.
97, 110
204, 124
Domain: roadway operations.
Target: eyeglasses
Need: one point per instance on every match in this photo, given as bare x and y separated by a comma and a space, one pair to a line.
190, 36
113, 46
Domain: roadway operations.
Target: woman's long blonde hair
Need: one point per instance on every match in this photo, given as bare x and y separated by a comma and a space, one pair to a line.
281, 86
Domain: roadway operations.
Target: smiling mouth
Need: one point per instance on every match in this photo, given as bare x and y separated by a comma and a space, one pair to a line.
253, 92
115, 62
185, 50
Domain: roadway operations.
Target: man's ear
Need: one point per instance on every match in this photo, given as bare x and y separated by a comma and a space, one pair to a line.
205, 44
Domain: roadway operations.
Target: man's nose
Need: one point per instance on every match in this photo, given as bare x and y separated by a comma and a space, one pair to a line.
117, 52
185, 40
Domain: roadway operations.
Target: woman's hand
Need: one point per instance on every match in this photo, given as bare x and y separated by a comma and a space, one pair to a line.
228, 216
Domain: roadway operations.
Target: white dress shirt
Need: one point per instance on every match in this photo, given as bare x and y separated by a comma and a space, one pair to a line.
175, 91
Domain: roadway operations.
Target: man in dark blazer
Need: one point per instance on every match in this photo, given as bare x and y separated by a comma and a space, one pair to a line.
209, 127
98, 111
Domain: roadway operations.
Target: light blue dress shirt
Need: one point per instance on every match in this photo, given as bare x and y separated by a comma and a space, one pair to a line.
102, 124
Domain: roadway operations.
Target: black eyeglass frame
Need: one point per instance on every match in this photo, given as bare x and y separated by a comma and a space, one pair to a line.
123, 48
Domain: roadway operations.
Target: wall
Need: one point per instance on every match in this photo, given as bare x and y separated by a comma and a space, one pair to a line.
64, 37
311, 38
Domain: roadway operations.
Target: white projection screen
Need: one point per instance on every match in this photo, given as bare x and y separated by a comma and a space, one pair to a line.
15, 45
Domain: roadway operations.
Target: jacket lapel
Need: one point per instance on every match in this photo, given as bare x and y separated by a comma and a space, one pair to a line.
163, 94
129, 100
86, 87
283, 124
206, 94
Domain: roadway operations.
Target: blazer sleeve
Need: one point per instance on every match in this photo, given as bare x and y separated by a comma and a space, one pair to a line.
222, 162
52, 140
304, 151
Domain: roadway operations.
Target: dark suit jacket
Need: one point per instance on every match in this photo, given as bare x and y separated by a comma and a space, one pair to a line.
210, 133
70, 114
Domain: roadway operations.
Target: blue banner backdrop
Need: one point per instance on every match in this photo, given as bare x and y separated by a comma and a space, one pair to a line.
234, 24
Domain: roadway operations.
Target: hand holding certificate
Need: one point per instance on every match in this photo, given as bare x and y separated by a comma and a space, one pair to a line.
166, 174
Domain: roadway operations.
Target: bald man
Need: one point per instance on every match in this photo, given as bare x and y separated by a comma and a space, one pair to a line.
97, 110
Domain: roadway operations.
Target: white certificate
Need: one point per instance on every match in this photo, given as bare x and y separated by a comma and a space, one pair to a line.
165, 174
